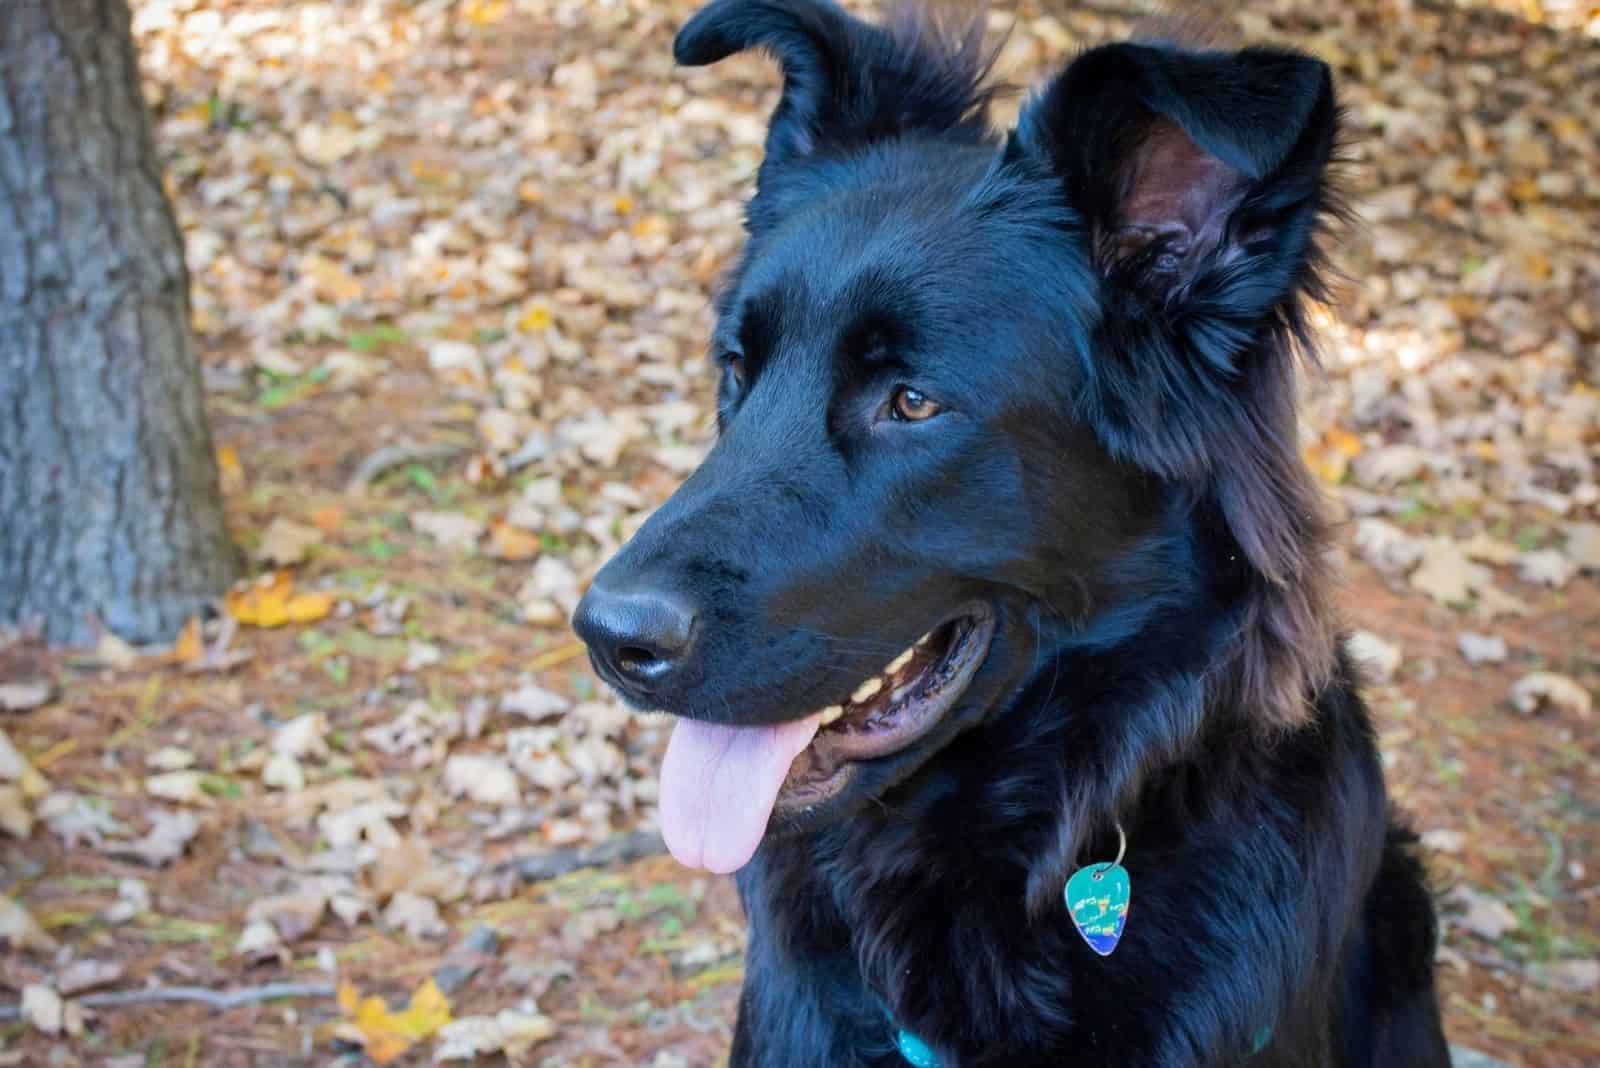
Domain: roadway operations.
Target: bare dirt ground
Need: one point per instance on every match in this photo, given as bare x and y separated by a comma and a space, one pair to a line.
462, 251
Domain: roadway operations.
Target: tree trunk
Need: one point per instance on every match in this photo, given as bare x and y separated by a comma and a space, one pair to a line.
109, 499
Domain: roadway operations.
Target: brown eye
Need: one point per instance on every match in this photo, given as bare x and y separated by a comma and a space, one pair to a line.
735, 365
912, 405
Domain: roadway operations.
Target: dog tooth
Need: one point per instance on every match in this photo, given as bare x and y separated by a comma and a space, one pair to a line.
832, 714
900, 661
865, 691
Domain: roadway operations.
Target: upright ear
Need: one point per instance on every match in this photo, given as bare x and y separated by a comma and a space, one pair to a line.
846, 83
1200, 179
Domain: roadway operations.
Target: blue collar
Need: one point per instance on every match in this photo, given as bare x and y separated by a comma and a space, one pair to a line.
919, 1054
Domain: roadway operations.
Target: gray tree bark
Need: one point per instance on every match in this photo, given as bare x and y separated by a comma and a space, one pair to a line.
109, 498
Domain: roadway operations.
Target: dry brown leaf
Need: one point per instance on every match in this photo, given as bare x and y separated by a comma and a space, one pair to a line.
1534, 692
507, 542
18, 928
285, 542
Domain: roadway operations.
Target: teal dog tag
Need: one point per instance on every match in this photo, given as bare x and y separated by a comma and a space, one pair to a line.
1097, 898
915, 1051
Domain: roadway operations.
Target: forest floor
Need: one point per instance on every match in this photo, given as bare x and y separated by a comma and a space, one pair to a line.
450, 266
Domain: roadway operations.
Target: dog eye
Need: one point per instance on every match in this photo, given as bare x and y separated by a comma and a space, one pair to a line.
910, 405
733, 363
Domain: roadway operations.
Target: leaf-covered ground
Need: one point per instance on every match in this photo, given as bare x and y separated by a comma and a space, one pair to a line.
450, 266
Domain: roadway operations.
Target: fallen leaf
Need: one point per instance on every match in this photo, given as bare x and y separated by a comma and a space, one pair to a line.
14, 767
1384, 467
534, 703
43, 1009
113, 652
19, 929
87, 974
190, 646
293, 915
170, 758
230, 470
1481, 648
450, 529
16, 819
1380, 658
1576, 976
168, 837
185, 787
1387, 547
1447, 574
420, 655
259, 941
330, 281
1484, 549
25, 696
1485, 916
1535, 692
488, 780
1444, 841
283, 772
285, 542
271, 601
507, 542
133, 899
416, 915
303, 737
1546, 567
457, 359
384, 1034
1583, 545
508, 1031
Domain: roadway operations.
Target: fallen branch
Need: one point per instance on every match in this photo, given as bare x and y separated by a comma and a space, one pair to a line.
618, 849
219, 1000
404, 452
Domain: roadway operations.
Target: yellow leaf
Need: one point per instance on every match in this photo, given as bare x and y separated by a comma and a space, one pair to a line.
484, 12
348, 997
270, 601
230, 469
329, 280
189, 647
649, 226
535, 319
429, 1010
308, 607
1345, 442
386, 1035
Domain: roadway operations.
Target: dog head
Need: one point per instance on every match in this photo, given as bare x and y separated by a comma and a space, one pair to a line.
962, 376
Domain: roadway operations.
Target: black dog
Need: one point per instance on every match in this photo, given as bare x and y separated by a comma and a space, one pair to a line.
1005, 552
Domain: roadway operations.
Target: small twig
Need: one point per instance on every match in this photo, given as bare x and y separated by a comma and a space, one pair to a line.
618, 849
220, 1000
405, 452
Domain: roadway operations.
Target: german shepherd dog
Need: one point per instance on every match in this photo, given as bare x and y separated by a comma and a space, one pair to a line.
1005, 562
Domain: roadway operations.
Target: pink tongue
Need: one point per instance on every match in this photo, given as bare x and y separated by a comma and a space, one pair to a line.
718, 785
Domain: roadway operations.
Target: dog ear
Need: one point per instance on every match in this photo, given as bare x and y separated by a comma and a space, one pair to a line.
1199, 181
846, 83
1184, 163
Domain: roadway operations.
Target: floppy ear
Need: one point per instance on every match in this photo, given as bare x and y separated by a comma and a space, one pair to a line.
846, 84
1199, 178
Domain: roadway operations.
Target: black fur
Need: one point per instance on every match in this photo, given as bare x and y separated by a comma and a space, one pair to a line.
1107, 303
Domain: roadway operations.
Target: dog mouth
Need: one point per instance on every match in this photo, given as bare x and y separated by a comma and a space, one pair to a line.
890, 711
721, 784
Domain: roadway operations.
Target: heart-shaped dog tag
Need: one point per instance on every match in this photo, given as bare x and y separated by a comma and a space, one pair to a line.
1097, 898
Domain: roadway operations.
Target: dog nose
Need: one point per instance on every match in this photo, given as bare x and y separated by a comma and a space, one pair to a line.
643, 636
